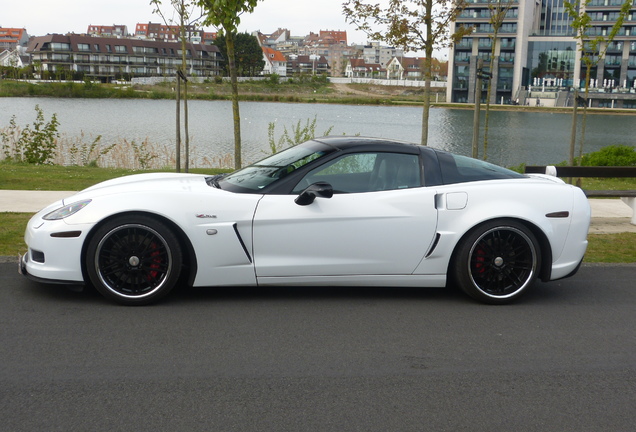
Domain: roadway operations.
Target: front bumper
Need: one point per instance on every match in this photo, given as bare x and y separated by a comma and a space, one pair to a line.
23, 270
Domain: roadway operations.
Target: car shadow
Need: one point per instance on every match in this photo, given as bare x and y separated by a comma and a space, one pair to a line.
541, 293
302, 293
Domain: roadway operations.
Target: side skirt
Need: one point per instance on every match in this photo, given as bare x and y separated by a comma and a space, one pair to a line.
429, 281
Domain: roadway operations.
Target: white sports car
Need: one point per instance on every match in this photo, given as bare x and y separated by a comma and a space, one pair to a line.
333, 211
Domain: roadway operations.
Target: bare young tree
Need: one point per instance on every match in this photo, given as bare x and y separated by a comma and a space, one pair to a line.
184, 10
498, 10
413, 25
225, 15
593, 49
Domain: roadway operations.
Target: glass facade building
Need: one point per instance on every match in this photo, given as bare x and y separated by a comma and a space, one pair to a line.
536, 51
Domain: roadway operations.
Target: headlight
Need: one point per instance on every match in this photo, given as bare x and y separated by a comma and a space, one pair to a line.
66, 211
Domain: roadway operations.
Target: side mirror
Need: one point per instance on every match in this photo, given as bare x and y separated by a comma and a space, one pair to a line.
313, 191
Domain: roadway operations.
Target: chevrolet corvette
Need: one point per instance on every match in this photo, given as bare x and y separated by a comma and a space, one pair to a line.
333, 211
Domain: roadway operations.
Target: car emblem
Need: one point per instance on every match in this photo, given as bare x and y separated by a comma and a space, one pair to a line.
205, 216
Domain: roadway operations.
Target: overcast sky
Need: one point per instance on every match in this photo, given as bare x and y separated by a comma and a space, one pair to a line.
40, 17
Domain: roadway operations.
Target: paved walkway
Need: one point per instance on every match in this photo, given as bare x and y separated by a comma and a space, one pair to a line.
608, 215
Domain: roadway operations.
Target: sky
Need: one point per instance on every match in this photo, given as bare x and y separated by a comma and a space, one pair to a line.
40, 17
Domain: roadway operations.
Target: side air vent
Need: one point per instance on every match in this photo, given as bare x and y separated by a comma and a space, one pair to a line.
434, 245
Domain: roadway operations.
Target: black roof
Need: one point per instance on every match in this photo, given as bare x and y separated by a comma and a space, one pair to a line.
358, 143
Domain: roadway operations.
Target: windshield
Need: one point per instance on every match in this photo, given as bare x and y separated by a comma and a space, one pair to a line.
261, 174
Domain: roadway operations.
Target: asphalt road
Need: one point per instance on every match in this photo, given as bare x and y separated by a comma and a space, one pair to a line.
562, 359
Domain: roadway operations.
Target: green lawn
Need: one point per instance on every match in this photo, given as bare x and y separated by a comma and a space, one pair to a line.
64, 178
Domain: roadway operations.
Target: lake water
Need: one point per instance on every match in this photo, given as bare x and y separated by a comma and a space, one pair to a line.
514, 137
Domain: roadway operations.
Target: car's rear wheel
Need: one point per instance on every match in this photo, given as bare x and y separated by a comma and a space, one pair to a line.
497, 262
134, 260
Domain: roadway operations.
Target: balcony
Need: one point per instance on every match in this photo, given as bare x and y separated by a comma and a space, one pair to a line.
605, 3
464, 46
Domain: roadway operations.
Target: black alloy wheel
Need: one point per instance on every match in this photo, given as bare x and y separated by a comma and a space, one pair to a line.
497, 262
134, 260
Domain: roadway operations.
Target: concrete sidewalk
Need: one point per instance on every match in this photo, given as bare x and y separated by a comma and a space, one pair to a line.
608, 215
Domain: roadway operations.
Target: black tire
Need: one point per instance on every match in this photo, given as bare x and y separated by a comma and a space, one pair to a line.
497, 262
134, 260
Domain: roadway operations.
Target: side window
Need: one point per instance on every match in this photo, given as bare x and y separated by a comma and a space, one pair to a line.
366, 172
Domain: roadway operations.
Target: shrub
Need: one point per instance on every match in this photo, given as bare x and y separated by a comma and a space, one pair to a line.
299, 134
34, 145
615, 155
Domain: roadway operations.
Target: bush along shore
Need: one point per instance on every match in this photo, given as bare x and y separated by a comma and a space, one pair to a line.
305, 90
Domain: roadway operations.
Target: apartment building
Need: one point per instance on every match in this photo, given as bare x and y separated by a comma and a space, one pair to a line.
11, 38
107, 30
379, 54
307, 65
167, 33
537, 58
106, 59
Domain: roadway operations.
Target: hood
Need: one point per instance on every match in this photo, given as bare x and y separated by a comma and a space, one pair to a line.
143, 183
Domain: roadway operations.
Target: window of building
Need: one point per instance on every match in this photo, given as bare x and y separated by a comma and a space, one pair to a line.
83, 47
485, 43
552, 60
507, 43
61, 57
507, 57
504, 79
121, 49
60, 46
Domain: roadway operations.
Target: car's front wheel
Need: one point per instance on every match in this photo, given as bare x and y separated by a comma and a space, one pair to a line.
497, 262
134, 260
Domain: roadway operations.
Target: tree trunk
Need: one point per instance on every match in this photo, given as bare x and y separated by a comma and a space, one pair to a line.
584, 120
493, 49
575, 107
185, 127
427, 99
178, 128
229, 43
428, 64
184, 70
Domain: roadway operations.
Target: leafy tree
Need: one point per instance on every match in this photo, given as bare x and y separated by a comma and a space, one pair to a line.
412, 25
225, 15
592, 48
249, 55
